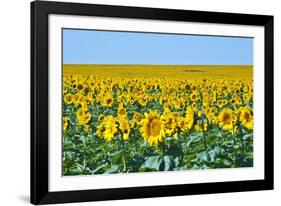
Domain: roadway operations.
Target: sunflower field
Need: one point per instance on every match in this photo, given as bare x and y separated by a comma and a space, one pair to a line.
144, 118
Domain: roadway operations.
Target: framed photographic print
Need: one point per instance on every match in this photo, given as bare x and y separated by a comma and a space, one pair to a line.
131, 102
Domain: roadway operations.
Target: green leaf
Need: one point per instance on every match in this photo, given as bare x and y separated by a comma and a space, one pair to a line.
113, 169
236, 147
247, 136
99, 168
227, 162
168, 163
153, 162
194, 138
213, 153
202, 156
116, 157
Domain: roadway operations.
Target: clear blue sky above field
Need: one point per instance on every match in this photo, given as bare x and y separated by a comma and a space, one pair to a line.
105, 47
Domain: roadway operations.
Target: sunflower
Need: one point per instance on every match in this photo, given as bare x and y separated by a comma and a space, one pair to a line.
211, 115
80, 86
107, 101
68, 98
100, 129
80, 112
182, 124
137, 117
132, 101
86, 128
169, 123
221, 103
247, 97
201, 126
194, 106
110, 128
101, 117
90, 96
194, 96
226, 119
121, 111
177, 104
124, 128
86, 90
166, 108
77, 98
84, 104
189, 118
65, 123
74, 86
152, 128
234, 99
214, 96
82, 116
65, 88
187, 87
143, 102
246, 117
85, 118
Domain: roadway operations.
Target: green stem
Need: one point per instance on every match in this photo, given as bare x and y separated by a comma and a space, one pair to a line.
234, 143
84, 145
162, 148
124, 163
205, 143
124, 154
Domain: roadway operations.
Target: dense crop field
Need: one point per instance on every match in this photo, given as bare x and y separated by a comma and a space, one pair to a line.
139, 118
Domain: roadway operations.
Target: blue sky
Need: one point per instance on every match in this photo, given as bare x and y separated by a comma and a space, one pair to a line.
106, 47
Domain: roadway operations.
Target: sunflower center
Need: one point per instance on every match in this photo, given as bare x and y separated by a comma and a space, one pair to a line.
227, 119
169, 123
138, 118
108, 101
87, 90
80, 86
247, 116
155, 127
121, 111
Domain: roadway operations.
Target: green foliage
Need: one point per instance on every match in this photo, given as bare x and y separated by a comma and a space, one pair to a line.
87, 154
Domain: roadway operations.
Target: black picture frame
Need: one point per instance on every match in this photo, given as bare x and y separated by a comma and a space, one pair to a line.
40, 112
